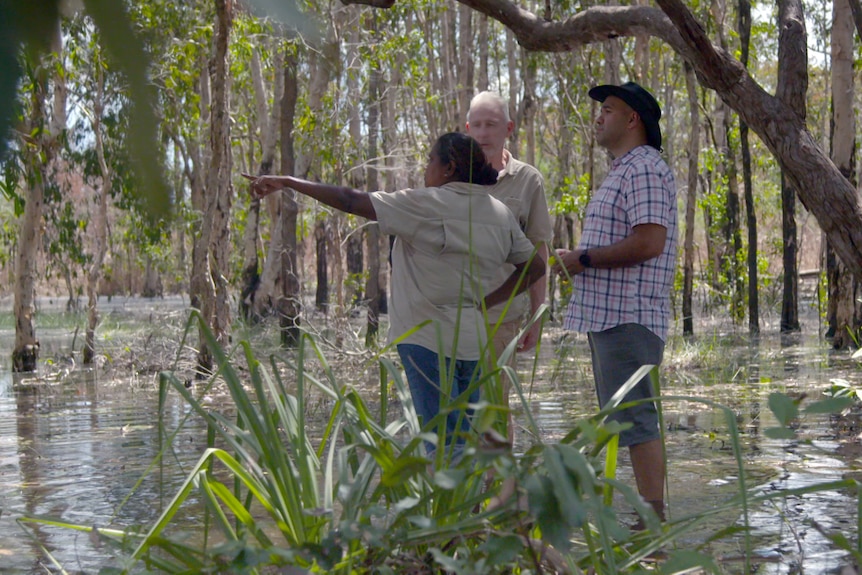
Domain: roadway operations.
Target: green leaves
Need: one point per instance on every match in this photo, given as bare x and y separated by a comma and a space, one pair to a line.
786, 411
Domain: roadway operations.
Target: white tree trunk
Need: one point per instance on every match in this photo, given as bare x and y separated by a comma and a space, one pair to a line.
43, 132
690, 204
268, 123
98, 225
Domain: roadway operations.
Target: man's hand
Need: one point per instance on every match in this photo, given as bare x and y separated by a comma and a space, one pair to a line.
566, 262
530, 338
262, 186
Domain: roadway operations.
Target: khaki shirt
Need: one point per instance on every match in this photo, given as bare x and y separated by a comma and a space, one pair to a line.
450, 242
521, 187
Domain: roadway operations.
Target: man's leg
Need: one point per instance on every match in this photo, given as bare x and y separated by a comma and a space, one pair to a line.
503, 336
616, 354
648, 466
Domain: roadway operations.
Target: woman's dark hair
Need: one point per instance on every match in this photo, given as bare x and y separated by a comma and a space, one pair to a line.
469, 160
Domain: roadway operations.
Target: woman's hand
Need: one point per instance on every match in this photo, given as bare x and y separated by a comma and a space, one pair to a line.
262, 186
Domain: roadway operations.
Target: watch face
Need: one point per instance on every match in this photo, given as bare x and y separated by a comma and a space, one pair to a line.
584, 259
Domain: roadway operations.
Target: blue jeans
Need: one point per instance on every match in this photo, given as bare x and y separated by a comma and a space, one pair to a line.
422, 368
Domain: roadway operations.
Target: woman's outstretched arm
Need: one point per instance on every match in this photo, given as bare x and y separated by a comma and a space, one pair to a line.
339, 197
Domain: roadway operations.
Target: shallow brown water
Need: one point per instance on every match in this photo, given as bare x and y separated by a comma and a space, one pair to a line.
74, 445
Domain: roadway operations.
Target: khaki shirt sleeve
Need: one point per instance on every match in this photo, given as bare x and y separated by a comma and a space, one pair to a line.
539, 227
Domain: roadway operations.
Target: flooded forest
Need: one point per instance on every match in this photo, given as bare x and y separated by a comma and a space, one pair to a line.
195, 379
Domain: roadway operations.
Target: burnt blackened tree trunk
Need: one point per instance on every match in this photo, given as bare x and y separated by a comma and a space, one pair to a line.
321, 299
744, 30
791, 89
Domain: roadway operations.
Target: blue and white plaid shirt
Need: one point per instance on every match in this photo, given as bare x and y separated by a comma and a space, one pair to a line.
639, 189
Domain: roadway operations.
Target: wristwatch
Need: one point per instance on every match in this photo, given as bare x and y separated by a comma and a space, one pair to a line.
584, 258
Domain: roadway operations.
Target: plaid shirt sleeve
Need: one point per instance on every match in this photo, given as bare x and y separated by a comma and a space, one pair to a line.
645, 196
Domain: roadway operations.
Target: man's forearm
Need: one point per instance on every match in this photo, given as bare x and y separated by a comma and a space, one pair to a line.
539, 290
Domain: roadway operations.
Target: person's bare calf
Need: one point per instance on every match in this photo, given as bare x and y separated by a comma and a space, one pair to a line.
649, 470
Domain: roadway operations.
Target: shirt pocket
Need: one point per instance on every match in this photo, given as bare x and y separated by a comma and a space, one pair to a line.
514, 205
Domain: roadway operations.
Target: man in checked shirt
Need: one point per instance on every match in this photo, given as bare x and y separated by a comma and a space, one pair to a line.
622, 272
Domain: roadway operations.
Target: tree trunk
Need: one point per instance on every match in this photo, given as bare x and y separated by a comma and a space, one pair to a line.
482, 44
690, 203
790, 297
713, 247
200, 157
215, 232
268, 127
373, 288
527, 109
98, 225
45, 131
290, 300
744, 30
335, 254
844, 289
72, 301
449, 51
321, 298
431, 112
152, 280
512, 52
732, 236
466, 66
791, 89
26, 351
354, 263
354, 268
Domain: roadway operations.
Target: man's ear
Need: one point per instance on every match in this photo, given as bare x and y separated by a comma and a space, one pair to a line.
510, 127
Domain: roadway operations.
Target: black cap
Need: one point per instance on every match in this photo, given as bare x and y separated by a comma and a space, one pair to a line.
640, 101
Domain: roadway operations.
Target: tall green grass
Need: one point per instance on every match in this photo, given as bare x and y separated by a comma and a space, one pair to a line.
359, 496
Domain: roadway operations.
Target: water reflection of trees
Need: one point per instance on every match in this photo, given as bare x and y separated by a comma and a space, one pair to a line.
82, 446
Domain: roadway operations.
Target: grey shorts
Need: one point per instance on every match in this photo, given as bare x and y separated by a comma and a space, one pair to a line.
617, 353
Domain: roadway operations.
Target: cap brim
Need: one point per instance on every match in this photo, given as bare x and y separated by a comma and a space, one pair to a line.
600, 93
